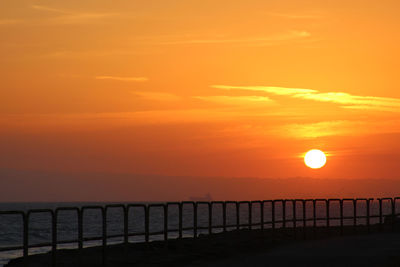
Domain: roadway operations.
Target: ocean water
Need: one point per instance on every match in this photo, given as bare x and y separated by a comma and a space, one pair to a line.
40, 231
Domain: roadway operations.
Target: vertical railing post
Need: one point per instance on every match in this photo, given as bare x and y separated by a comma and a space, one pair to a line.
380, 214
368, 214
126, 225
165, 209
237, 215
126, 230
294, 217
146, 223
25, 219
314, 213
209, 218
80, 236
314, 218
262, 215
80, 229
284, 214
393, 214
355, 215
54, 238
104, 249
273, 216
327, 206
304, 218
180, 220
195, 219
224, 215
341, 216
250, 220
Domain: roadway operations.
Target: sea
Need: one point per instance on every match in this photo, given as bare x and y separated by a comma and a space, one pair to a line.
40, 230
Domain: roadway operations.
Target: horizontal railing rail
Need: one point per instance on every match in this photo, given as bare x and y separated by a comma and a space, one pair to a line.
241, 210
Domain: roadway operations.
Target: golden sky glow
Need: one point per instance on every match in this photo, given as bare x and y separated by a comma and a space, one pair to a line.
203, 88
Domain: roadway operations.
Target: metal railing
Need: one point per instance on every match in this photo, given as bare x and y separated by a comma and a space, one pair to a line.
195, 228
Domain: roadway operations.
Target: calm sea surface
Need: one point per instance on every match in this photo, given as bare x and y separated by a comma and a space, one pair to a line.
11, 226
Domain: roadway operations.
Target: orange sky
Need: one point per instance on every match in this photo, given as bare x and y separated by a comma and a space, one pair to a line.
200, 88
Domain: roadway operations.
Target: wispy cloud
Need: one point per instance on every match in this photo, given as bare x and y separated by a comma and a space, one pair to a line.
366, 107
49, 9
354, 100
124, 79
337, 128
263, 40
64, 16
346, 100
267, 89
251, 101
318, 129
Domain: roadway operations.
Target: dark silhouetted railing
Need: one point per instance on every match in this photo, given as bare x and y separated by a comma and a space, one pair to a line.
299, 207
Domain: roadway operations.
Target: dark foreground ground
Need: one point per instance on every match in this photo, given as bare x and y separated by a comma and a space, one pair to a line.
324, 247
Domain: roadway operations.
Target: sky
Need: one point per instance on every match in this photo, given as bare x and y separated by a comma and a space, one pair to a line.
200, 88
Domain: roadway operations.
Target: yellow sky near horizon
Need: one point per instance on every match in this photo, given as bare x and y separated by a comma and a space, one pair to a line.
209, 88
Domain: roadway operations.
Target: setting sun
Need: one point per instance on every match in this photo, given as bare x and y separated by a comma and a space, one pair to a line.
315, 159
